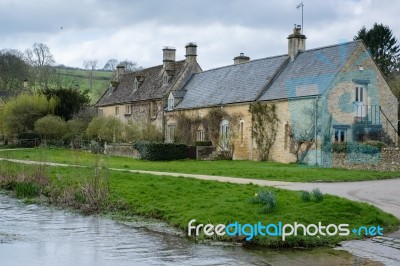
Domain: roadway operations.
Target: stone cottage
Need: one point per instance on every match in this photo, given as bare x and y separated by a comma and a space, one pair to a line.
318, 96
141, 96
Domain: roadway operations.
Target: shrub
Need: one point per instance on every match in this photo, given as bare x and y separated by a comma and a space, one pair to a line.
318, 196
77, 126
305, 196
51, 127
203, 143
267, 198
107, 129
368, 147
160, 151
150, 132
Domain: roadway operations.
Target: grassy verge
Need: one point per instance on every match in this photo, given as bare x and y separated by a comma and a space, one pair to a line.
178, 200
244, 169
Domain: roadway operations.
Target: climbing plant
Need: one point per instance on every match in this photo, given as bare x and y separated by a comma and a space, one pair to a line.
186, 128
264, 127
188, 125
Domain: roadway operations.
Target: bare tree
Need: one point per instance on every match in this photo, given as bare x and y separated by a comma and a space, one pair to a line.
111, 64
39, 55
130, 65
41, 60
90, 66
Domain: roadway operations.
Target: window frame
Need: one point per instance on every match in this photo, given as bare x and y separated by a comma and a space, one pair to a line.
128, 109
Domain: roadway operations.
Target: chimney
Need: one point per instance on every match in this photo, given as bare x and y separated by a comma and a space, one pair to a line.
241, 59
120, 71
25, 84
191, 52
168, 56
296, 42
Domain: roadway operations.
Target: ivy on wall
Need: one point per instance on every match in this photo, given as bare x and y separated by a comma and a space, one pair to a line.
187, 127
264, 127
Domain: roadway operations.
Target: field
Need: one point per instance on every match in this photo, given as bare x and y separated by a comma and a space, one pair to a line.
244, 169
72, 77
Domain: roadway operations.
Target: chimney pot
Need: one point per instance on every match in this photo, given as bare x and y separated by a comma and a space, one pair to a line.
191, 52
241, 59
120, 71
168, 56
296, 42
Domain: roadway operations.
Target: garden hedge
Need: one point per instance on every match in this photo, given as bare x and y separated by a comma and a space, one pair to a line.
160, 151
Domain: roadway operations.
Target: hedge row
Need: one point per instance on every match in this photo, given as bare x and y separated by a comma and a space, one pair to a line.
160, 151
370, 147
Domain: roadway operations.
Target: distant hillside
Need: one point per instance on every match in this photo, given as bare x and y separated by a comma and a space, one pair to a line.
68, 77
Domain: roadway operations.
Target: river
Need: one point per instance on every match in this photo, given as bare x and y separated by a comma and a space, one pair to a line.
41, 235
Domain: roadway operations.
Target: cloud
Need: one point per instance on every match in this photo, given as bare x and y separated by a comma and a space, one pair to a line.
137, 30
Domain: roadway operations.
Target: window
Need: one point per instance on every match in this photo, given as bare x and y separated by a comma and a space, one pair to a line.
153, 109
170, 134
241, 124
128, 109
171, 102
116, 110
135, 84
287, 136
359, 94
200, 135
165, 79
224, 131
340, 135
100, 111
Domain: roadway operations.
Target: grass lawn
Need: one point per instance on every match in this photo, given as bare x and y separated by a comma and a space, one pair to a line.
244, 169
177, 200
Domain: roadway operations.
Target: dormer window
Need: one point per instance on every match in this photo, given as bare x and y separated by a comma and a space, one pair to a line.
171, 102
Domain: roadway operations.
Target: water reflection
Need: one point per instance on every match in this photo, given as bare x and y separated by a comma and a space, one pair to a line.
38, 235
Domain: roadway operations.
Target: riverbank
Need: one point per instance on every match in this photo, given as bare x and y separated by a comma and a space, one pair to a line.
243, 169
178, 200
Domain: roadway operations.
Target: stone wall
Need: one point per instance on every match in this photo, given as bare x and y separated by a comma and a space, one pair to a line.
121, 149
387, 160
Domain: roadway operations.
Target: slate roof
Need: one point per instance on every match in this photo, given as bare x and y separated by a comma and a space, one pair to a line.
230, 84
151, 88
312, 72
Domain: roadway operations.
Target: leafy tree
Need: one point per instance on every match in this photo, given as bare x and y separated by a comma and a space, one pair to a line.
20, 114
382, 46
13, 70
51, 127
70, 101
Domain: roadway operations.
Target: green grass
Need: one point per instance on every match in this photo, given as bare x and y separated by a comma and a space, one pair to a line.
244, 169
178, 200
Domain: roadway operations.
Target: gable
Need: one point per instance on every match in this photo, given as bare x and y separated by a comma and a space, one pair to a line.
312, 72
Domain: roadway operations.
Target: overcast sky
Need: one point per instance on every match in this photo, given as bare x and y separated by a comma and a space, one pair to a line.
78, 30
